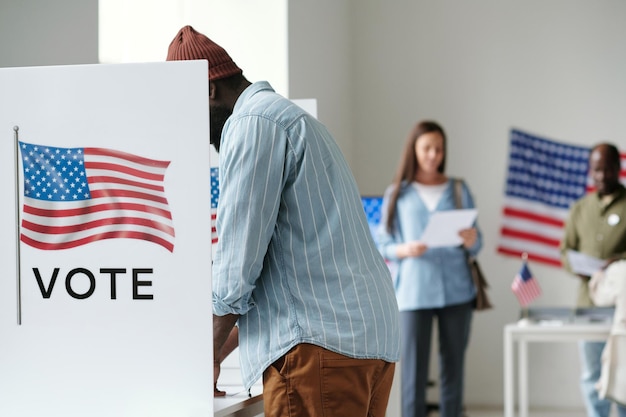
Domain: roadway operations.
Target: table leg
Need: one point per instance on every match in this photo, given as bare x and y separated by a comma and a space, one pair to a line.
508, 374
523, 378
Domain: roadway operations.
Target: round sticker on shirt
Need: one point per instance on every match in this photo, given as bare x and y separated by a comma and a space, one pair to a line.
613, 219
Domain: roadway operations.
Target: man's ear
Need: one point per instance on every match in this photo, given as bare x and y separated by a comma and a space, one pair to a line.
212, 91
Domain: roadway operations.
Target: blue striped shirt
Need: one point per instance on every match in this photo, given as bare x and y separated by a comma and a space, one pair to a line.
295, 256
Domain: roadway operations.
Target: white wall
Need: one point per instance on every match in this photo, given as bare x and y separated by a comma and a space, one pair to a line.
553, 68
127, 33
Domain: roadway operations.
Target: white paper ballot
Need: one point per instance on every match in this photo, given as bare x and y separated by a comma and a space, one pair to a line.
444, 226
584, 264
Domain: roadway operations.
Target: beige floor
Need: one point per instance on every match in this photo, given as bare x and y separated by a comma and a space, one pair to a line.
532, 413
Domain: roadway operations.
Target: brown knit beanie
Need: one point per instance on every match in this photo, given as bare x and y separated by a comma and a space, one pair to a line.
189, 44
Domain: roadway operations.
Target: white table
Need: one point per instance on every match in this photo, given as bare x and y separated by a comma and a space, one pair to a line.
237, 403
524, 332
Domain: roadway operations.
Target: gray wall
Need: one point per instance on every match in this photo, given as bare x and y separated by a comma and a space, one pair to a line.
553, 68
321, 64
42, 32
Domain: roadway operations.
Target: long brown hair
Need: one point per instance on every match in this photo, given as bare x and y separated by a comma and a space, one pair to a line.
408, 166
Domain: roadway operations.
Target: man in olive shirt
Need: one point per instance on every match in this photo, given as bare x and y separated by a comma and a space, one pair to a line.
597, 227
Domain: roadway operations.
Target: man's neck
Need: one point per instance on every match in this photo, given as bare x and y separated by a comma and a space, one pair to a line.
607, 198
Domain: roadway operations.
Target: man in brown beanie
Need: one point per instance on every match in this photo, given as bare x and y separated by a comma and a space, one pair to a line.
295, 267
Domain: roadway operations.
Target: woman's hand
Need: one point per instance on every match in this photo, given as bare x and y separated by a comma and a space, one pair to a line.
469, 237
412, 249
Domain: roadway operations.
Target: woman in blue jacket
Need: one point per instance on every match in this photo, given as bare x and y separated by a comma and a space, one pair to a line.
429, 282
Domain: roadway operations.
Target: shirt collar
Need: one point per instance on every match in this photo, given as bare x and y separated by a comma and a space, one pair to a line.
251, 90
609, 199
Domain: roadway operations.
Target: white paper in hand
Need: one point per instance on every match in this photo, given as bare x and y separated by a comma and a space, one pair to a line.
444, 226
584, 264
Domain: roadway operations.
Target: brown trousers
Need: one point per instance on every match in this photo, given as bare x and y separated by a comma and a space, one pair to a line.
310, 381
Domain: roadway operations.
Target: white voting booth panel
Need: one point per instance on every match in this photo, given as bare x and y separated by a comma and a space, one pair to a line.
118, 323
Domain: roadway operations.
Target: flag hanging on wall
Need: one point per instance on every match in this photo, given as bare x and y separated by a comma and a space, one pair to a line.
75, 196
525, 286
544, 178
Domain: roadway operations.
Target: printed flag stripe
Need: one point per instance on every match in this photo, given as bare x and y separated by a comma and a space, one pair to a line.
82, 234
68, 244
122, 169
113, 180
213, 228
84, 224
126, 193
75, 196
127, 157
215, 192
56, 230
126, 176
95, 208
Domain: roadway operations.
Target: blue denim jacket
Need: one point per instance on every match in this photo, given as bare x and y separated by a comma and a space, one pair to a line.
438, 278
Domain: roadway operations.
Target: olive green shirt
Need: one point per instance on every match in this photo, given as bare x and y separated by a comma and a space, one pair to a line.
595, 227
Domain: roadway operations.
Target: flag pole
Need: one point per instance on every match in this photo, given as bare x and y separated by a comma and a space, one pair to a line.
17, 227
525, 308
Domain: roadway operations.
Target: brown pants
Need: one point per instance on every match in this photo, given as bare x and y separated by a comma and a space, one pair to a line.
310, 381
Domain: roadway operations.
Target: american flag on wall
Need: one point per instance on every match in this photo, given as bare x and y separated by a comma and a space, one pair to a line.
544, 178
75, 196
215, 194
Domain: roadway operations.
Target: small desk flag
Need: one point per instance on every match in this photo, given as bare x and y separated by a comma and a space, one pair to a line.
525, 286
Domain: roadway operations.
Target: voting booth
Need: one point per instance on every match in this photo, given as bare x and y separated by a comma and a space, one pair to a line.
105, 296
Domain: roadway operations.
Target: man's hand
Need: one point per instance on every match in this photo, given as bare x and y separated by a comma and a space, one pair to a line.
225, 340
216, 374
585, 278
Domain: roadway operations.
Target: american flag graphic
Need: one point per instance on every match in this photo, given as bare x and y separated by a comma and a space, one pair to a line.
544, 178
372, 206
525, 286
215, 194
75, 196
